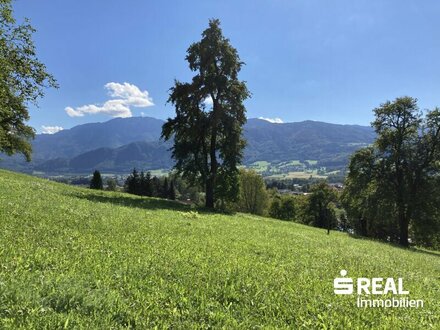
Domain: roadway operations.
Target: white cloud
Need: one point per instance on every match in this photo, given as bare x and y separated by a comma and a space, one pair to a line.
208, 101
72, 112
123, 97
131, 94
50, 129
275, 120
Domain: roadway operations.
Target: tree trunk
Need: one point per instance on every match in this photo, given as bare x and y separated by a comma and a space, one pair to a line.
403, 224
211, 182
328, 221
364, 231
209, 202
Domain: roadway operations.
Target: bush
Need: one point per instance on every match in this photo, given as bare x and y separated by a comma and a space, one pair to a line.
253, 197
111, 184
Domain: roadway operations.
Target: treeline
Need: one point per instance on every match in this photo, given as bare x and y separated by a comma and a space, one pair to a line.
392, 189
97, 182
295, 184
143, 184
319, 208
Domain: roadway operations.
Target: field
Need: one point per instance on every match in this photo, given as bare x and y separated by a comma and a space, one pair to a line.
298, 175
293, 169
75, 258
260, 166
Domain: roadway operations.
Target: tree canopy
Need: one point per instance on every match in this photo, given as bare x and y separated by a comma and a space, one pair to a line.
392, 186
210, 114
283, 207
22, 81
96, 182
253, 195
319, 207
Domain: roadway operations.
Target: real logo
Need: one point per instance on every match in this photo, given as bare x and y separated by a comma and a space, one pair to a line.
374, 286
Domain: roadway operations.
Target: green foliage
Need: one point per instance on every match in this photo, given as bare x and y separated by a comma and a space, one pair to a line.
96, 182
370, 210
184, 191
208, 140
22, 80
392, 188
132, 183
320, 206
111, 184
77, 258
165, 189
171, 191
283, 207
253, 197
144, 185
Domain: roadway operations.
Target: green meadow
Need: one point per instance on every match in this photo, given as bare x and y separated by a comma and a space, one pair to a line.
73, 258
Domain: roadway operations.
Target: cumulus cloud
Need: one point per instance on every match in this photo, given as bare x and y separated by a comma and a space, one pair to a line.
50, 129
123, 97
275, 120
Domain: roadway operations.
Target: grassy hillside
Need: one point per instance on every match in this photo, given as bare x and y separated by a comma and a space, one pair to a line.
75, 258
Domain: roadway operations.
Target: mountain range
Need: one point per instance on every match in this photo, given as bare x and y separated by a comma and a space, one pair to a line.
118, 145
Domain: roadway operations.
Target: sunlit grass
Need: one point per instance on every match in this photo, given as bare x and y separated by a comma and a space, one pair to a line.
75, 258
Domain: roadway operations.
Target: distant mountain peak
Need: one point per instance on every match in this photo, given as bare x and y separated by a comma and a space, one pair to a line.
119, 144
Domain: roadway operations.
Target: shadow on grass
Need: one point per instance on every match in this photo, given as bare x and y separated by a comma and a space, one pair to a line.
416, 249
146, 203
395, 245
430, 252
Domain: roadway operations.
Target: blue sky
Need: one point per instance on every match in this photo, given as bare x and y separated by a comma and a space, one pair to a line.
322, 60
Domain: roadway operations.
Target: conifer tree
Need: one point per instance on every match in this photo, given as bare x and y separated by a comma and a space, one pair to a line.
132, 182
155, 187
172, 191
165, 188
148, 185
208, 143
96, 182
141, 189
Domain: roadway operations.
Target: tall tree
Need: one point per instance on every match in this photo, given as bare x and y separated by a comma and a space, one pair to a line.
397, 126
210, 114
96, 182
147, 186
319, 207
409, 149
22, 81
172, 191
156, 187
132, 182
141, 189
400, 171
165, 188
368, 203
